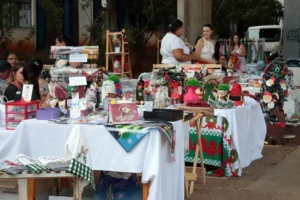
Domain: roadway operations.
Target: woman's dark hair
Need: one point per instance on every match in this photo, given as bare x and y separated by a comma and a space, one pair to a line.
10, 53
5, 66
175, 25
209, 26
232, 40
14, 71
66, 39
31, 74
37, 63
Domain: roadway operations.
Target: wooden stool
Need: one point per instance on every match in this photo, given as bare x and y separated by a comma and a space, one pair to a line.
24, 186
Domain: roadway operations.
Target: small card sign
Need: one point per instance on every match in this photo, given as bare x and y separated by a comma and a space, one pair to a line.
78, 58
27, 92
124, 113
77, 81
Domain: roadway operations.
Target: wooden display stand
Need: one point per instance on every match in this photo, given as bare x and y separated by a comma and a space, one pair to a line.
191, 172
26, 183
124, 52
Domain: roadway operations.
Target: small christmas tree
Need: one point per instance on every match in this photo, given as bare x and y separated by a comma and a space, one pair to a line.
274, 88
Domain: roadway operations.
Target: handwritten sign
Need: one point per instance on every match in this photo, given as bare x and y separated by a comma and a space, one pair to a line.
27, 92
78, 58
77, 81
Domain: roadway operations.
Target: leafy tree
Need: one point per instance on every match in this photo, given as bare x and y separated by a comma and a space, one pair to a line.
236, 16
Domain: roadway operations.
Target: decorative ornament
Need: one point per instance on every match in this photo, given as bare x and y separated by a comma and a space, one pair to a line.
270, 82
267, 97
236, 94
283, 85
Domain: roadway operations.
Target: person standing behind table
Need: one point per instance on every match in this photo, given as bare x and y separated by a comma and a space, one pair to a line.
12, 58
63, 40
205, 48
240, 50
15, 83
223, 62
5, 71
173, 49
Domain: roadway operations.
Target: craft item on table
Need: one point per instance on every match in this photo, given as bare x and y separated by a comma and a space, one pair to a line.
77, 151
236, 94
91, 74
162, 99
59, 92
222, 92
56, 50
129, 135
176, 91
91, 93
15, 170
123, 113
221, 104
108, 87
92, 51
117, 67
31, 164
274, 87
62, 106
61, 63
55, 164
52, 102
140, 91
147, 96
209, 92
234, 62
5, 164
65, 72
191, 85
117, 83
230, 72
118, 186
48, 113
197, 103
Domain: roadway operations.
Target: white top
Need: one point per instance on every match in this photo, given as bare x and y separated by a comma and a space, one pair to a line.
168, 44
208, 50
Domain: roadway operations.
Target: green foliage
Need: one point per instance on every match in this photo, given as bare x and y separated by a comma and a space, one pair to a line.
148, 16
54, 12
192, 82
244, 13
6, 31
223, 87
114, 78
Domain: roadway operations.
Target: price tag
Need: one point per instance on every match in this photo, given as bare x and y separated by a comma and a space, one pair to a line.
77, 81
27, 92
78, 58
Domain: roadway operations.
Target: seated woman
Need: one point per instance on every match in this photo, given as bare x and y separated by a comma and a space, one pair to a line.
12, 58
15, 83
31, 75
173, 49
205, 48
5, 71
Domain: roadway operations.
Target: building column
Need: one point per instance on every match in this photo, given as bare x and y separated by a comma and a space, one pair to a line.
194, 14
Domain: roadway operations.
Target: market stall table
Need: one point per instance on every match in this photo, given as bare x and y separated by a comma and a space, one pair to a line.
151, 156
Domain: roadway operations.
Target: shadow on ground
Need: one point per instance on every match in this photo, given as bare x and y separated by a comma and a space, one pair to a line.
264, 179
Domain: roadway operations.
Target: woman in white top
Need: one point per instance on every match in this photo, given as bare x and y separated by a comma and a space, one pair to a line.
205, 48
240, 50
173, 49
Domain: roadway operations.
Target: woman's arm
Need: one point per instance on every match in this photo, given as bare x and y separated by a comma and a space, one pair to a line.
181, 57
244, 51
199, 47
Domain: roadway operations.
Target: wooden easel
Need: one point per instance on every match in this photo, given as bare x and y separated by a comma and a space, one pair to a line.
124, 52
191, 172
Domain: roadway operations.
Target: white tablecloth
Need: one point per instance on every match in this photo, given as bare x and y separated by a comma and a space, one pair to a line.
150, 156
248, 130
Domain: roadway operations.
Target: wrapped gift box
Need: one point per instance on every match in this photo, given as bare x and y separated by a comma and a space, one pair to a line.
48, 113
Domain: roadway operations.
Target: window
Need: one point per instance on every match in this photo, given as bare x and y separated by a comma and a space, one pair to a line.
270, 34
18, 13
